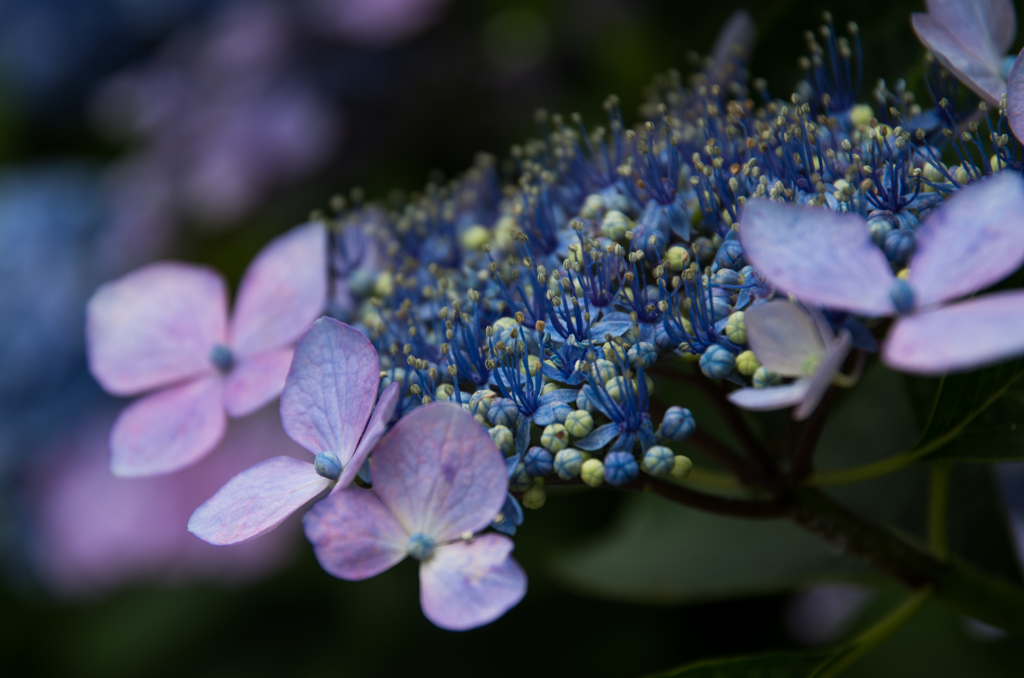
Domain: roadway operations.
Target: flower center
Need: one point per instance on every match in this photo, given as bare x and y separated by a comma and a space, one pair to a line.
902, 296
420, 546
222, 358
328, 465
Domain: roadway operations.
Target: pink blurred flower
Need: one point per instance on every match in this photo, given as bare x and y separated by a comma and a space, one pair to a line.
93, 532
165, 328
377, 23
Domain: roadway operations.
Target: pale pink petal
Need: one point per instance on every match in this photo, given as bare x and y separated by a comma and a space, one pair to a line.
256, 501
282, 292
374, 430
783, 336
469, 584
354, 535
996, 20
820, 256
960, 39
1015, 97
822, 379
155, 326
331, 389
962, 336
254, 382
168, 430
974, 240
771, 397
439, 472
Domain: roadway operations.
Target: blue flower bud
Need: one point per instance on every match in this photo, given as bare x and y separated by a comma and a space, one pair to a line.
568, 463
520, 481
644, 354
704, 250
584, 401
724, 276
481, 401
561, 411
222, 358
579, 423
554, 437
503, 439
328, 465
899, 245
658, 460
907, 221
730, 254
503, 412
763, 378
720, 306
902, 296
361, 280
662, 339
678, 424
420, 546
620, 468
880, 226
538, 462
717, 362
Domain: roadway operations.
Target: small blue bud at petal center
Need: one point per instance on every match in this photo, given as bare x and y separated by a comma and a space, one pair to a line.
328, 465
902, 296
222, 358
420, 546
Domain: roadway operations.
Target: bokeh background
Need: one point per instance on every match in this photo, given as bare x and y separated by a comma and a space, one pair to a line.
132, 130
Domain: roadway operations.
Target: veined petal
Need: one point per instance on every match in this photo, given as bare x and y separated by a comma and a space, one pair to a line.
469, 584
822, 257
960, 39
439, 472
168, 430
354, 535
995, 20
1015, 97
783, 336
256, 501
372, 435
254, 382
330, 389
155, 326
971, 242
598, 438
282, 292
772, 397
962, 336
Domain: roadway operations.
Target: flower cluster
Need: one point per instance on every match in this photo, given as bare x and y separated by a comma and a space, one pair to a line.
510, 320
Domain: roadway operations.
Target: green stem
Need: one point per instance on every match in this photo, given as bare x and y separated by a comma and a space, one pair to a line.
976, 593
873, 637
938, 500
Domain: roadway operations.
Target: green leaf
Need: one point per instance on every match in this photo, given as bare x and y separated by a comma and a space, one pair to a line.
658, 552
962, 399
772, 665
996, 434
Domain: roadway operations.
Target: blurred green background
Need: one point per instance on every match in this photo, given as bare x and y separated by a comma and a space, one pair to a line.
469, 81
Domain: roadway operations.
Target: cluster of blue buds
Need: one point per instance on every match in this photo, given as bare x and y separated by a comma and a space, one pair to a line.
542, 303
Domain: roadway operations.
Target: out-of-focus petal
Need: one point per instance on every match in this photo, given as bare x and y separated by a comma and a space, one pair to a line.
282, 292
822, 257
354, 535
733, 45
783, 336
971, 242
372, 435
155, 326
168, 430
331, 389
466, 585
254, 382
962, 336
1015, 97
772, 397
822, 379
963, 36
439, 472
256, 501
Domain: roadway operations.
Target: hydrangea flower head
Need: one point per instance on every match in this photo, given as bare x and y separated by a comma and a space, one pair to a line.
166, 326
438, 479
970, 38
326, 407
792, 342
974, 240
